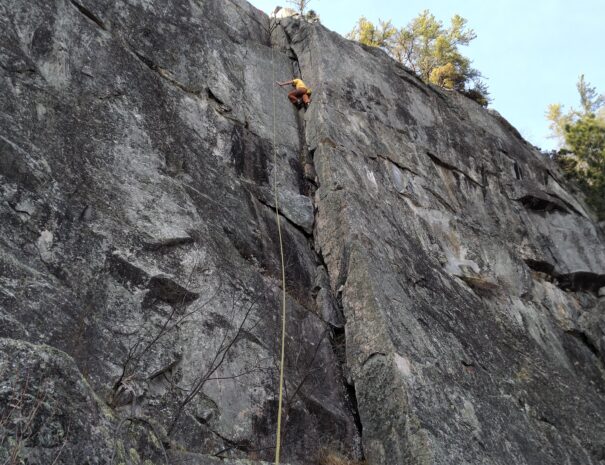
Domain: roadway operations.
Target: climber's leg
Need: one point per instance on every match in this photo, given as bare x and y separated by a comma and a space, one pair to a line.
296, 94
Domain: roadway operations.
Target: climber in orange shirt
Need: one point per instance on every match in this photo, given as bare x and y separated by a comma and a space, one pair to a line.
301, 91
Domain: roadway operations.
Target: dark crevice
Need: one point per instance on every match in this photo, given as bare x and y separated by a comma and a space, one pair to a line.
447, 166
540, 266
128, 274
338, 340
85, 213
580, 281
339, 343
518, 172
165, 369
288, 220
484, 181
583, 338
146, 61
222, 107
535, 203
443, 202
310, 174
17, 210
569, 187
241, 446
343, 271
538, 199
288, 37
167, 290
212, 96
164, 74
89, 14
398, 165
566, 203
25, 70
543, 419
306, 164
372, 356
354, 407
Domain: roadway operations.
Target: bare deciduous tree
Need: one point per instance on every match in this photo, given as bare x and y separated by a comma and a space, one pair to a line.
228, 340
145, 342
300, 5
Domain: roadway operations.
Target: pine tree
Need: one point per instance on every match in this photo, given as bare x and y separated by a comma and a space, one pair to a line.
582, 135
429, 49
365, 32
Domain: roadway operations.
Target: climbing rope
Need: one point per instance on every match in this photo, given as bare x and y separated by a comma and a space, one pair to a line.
283, 274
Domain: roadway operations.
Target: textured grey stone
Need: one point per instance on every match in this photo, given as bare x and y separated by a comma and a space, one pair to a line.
295, 207
447, 234
184, 458
137, 226
442, 276
49, 411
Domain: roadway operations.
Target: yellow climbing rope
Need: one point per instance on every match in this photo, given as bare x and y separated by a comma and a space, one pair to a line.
283, 277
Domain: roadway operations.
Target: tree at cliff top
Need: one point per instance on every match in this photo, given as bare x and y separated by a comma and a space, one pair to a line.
368, 33
582, 136
300, 5
430, 49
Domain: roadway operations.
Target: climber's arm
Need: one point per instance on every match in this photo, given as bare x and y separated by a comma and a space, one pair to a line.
285, 83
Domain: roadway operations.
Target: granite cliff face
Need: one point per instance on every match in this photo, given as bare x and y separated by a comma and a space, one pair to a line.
443, 280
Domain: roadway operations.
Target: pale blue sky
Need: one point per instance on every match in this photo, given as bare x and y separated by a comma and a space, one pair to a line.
530, 51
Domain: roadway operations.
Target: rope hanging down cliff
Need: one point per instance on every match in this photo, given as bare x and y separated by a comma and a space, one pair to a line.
283, 275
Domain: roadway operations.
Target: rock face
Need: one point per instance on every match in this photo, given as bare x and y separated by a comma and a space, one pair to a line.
443, 281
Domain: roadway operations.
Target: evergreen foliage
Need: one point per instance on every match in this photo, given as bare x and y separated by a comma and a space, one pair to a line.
367, 33
428, 48
582, 135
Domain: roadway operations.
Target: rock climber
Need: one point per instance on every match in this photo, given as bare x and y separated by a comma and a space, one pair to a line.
300, 92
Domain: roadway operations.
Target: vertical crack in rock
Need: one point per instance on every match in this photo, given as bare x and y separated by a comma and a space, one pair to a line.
338, 333
138, 246
418, 404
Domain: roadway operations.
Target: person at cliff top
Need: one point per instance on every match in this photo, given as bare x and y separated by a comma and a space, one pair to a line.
301, 91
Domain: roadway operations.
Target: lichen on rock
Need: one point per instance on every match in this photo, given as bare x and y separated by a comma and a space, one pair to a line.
444, 283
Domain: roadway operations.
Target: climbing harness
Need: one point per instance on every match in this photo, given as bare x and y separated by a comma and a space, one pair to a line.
283, 274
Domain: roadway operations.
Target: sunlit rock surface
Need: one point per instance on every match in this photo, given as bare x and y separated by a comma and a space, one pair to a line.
445, 284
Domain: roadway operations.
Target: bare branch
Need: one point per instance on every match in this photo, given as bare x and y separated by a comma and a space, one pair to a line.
135, 355
308, 371
146, 422
300, 5
218, 360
